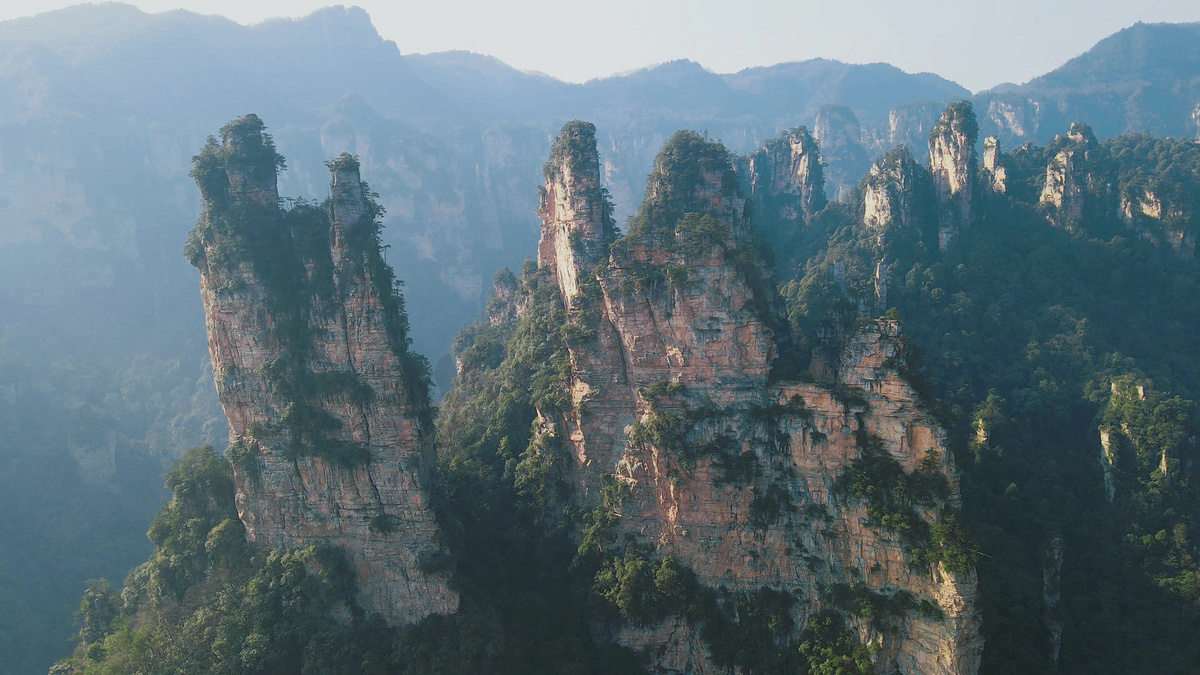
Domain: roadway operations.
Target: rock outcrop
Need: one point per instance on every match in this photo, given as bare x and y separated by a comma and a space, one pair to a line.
576, 216
952, 162
890, 191
1062, 190
787, 172
1162, 223
733, 471
1071, 179
329, 419
910, 124
995, 175
838, 131
1016, 118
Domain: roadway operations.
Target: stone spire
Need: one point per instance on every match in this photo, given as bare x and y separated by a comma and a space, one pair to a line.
952, 162
329, 423
790, 165
995, 175
576, 217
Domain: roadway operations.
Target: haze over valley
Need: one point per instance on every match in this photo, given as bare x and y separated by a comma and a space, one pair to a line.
808, 366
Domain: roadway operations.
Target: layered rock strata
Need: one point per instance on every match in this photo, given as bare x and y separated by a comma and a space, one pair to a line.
329, 421
726, 466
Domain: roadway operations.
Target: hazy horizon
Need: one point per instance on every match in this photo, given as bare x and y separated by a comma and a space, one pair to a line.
573, 43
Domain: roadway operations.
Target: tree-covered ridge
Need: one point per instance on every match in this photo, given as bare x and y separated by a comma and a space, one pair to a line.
689, 167
83, 445
1032, 339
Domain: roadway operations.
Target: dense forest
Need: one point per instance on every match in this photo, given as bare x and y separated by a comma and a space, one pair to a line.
1036, 342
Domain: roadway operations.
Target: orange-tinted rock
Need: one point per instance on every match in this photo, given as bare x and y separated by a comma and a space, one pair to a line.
686, 313
307, 333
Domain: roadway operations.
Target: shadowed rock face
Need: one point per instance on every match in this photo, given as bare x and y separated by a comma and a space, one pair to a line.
684, 339
790, 165
838, 131
328, 413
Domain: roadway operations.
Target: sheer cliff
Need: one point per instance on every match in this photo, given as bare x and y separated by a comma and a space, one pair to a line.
707, 444
330, 424
1015, 280
694, 449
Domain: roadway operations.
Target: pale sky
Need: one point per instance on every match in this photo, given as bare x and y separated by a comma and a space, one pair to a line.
976, 44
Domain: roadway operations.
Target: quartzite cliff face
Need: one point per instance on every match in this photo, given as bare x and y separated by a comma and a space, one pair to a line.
328, 418
952, 161
730, 468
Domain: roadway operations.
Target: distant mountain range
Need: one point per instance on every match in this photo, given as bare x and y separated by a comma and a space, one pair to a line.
104, 104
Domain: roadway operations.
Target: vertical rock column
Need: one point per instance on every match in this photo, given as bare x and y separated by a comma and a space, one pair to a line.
952, 162
840, 135
1067, 178
576, 223
995, 175
889, 190
791, 166
329, 426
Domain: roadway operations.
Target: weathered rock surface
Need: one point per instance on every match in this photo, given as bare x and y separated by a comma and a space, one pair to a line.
890, 191
838, 131
1158, 222
790, 167
695, 344
952, 162
576, 218
1067, 178
1016, 118
995, 175
329, 437
909, 124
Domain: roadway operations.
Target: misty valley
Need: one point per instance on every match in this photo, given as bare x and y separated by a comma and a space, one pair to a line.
324, 358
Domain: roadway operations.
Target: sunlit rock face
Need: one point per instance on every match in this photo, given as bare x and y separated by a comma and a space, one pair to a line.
995, 175
331, 439
952, 162
745, 492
